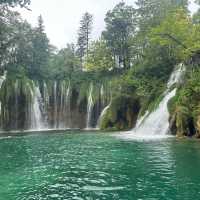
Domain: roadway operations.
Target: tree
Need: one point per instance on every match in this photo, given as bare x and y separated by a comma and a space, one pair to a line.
13, 3
9, 21
100, 57
196, 16
41, 50
65, 62
84, 35
40, 27
120, 27
9, 24
178, 34
21, 56
152, 12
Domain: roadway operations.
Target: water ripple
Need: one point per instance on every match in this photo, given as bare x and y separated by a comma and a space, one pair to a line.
95, 166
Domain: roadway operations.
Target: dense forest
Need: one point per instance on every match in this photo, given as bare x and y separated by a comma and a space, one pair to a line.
129, 65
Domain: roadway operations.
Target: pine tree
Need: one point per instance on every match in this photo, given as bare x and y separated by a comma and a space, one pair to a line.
41, 49
84, 35
40, 24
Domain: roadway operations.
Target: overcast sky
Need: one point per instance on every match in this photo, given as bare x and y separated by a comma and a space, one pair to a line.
62, 17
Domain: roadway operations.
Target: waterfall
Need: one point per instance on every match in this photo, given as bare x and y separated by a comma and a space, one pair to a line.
176, 76
55, 105
67, 106
102, 95
141, 119
2, 79
64, 111
61, 123
157, 121
36, 119
89, 107
104, 111
16, 104
46, 95
156, 124
105, 103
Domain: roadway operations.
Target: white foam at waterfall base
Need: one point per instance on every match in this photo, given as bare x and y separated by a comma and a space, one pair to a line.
156, 125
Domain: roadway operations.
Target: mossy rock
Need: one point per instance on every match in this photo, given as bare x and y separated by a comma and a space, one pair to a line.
121, 115
182, 122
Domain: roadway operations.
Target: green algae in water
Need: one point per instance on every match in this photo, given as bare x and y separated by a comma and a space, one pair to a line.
87, 166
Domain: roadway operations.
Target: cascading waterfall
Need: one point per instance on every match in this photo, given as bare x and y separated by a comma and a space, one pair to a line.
102, 95
62, 103
46, 101
55, 105
89, 107
16, 104
104, 111
64, 112
33, 105
67, 109
2, 79
106, 102
36, 119
157, 121
46, 95
156, 124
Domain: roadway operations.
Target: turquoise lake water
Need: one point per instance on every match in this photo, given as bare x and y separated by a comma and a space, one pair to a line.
96, 166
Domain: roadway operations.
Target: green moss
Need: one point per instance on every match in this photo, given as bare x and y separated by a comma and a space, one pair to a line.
121, 115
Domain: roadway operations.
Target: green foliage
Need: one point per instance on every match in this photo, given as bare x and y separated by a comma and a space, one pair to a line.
178, 34
152, 12
99, 57
84, 36
121, 115
13, 3
9, 22
120, 26
22, 46
64, 63
184, 107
